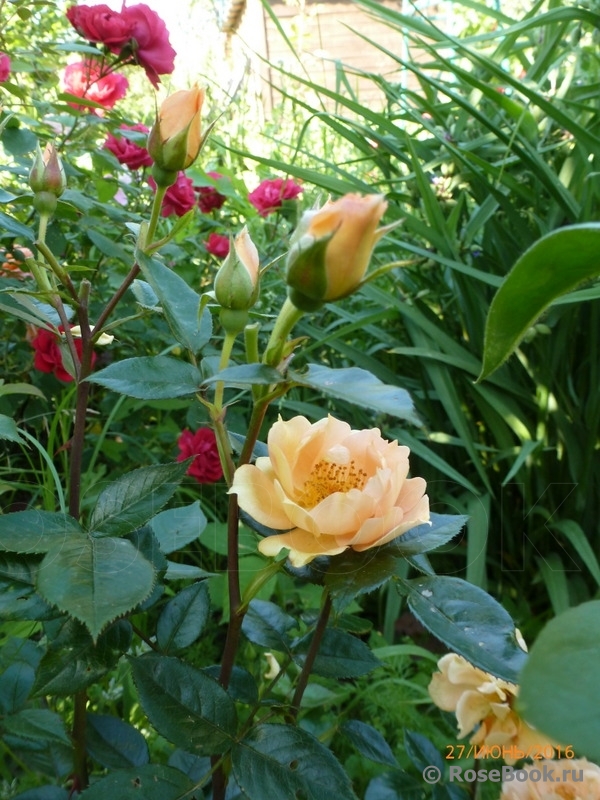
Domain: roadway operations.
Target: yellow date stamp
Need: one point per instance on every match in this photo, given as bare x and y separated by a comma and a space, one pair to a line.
456, 752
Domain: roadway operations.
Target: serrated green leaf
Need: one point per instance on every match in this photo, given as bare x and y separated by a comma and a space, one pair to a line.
15, 228
115, 744
557, 263
247, 375
469, 622
424, 538
183, 618
287, 763
369, 742
421, 751
95, 580
150, 782
267, 625
15, 684
36, 531
150, 378
38, 724
562, 676
191, 326
176, 527
8, 429
359, 387
352, 574
135, 498
74, 661
185, 705
340, 655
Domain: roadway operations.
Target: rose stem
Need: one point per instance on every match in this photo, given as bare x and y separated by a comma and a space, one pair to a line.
312, 654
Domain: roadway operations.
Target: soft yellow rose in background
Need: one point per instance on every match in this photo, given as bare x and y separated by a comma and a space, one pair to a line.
176, 137
563, 788
331, 488
483, 704
332, 249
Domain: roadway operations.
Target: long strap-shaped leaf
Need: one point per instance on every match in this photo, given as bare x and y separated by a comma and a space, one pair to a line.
555, 264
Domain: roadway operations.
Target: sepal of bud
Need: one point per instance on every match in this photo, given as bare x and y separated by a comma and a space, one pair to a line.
306, 272
47, 173
237, 281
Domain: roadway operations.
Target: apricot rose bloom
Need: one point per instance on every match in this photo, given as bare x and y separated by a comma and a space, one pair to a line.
574, 779
329, 488
483, 704
332, 249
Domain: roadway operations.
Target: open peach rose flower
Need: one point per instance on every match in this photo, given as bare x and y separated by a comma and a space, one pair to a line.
330, 488
483, 705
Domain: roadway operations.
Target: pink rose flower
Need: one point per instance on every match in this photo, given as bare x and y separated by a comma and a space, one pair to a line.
100, 24
208, 197
85, 79
271, 193
4, 67
218, 245
206, 466
151, 47
127, 152
179, 198
48, 357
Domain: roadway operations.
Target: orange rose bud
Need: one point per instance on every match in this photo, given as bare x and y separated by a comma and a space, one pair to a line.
176, 136
332, 249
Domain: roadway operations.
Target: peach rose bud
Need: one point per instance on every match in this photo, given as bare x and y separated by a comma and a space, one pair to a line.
332, 249
176, 136
237, 282
47, 179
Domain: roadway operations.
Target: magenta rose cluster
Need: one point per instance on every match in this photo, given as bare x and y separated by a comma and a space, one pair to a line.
135, 34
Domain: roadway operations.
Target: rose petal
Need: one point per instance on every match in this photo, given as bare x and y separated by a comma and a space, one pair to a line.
258, 498
303, 546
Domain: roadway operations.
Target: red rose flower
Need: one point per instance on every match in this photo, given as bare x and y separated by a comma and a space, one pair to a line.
48, 357
271, 193
208, 197
179, 198
85, 79
217, 244
127, 152
206, 466
4, 67
150, 41
100, 24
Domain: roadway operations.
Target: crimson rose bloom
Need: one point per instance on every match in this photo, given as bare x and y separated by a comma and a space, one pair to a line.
179, 198
48, 357
4, 67
206, 467
208, 197
217, 244
100, 24
150, 41
127, 152
271, 193
85, 79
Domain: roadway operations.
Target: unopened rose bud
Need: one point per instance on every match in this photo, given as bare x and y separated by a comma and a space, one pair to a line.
176, 136
236, 283
47, 173
332, 249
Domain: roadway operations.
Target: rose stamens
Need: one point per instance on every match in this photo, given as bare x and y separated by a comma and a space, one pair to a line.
329, 477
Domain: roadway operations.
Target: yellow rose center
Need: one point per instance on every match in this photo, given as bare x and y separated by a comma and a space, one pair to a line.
328, 477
